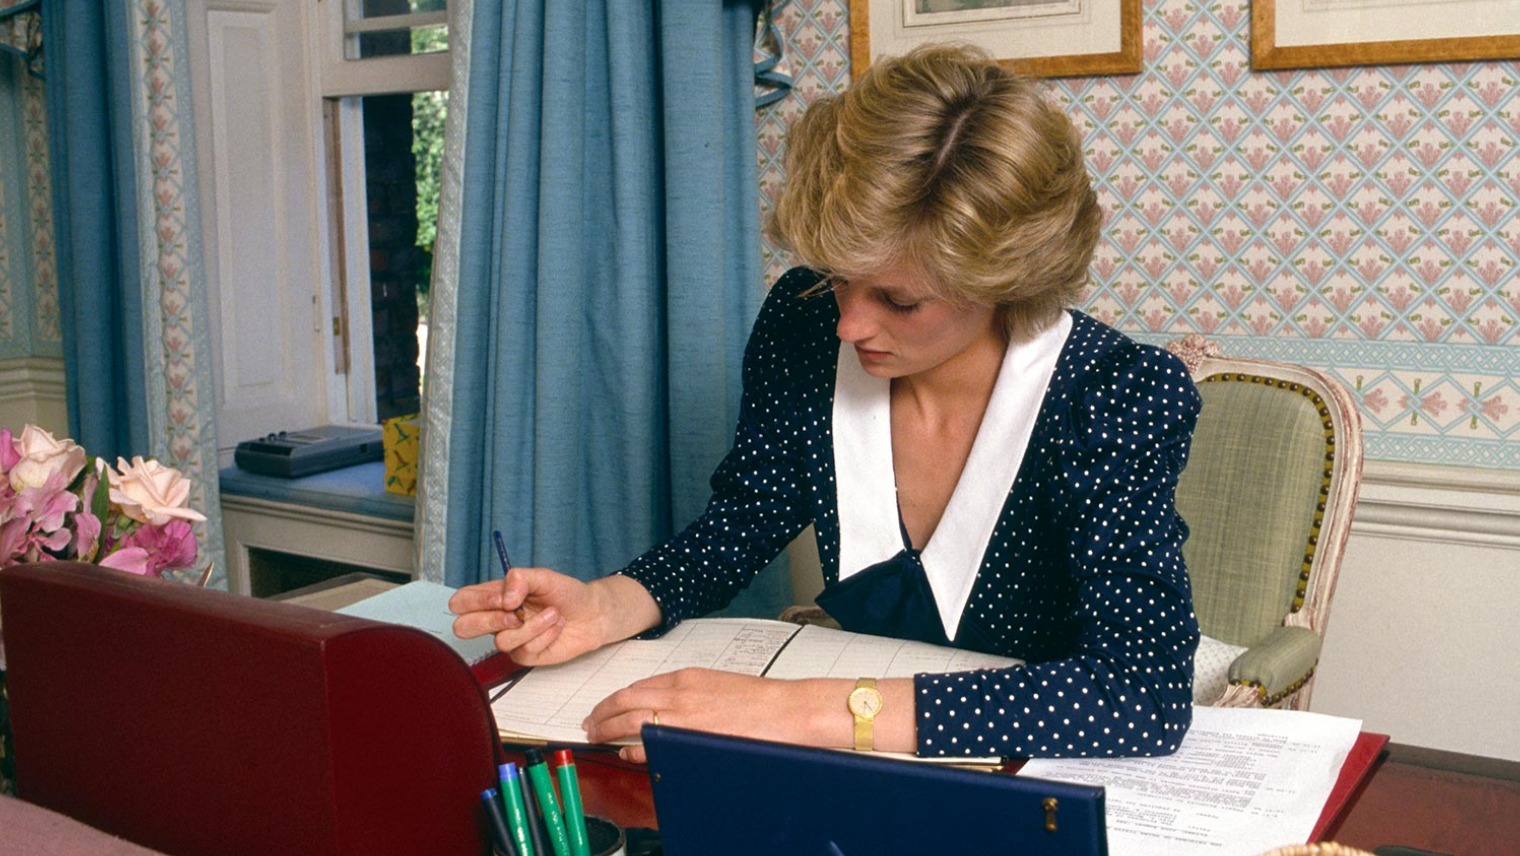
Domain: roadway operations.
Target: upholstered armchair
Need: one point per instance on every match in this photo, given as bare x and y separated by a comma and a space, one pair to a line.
1268, 494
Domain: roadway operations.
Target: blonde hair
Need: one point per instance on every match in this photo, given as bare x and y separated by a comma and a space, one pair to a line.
943, 159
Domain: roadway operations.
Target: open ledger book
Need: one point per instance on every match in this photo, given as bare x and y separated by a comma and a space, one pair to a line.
1244, 780
549, 702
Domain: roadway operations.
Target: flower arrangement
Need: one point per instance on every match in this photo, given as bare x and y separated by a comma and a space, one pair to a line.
58, 503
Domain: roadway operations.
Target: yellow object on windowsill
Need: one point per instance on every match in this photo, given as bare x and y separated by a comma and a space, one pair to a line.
401, 436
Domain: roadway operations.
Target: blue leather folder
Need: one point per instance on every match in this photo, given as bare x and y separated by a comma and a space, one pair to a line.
729, 795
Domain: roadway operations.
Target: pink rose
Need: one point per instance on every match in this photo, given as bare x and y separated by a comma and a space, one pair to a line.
39, 456
149, 492
8, 454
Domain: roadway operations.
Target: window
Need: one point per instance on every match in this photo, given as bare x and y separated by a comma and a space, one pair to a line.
384, 109
403, 144
376, 28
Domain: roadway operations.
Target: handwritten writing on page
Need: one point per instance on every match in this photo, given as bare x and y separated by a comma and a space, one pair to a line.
1243, 782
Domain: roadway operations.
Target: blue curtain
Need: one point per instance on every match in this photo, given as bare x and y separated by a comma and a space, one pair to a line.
608, 275
95, 218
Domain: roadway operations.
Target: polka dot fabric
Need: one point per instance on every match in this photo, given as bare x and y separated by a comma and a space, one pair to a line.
1083, 577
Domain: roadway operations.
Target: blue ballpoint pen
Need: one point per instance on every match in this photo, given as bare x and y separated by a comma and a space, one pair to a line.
506, 568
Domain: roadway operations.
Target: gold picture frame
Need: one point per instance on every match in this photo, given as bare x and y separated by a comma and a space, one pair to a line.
1321, 33
1091, 37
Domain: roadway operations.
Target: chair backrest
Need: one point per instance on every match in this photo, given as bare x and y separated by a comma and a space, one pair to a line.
1267, 494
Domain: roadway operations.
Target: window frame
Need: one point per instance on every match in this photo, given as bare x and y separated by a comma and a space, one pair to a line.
342, 77
343, 83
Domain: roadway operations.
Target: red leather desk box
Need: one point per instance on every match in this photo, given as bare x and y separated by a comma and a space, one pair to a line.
198, 722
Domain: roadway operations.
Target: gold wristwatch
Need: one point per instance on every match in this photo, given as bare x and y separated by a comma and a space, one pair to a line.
865, 703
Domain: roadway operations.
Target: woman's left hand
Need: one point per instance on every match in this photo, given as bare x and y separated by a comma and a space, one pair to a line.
722, 702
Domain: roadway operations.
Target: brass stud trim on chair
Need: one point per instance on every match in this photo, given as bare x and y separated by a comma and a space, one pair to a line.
1270, 700
1323, 502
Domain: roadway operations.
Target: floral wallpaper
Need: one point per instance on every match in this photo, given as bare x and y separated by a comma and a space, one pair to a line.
10, 175
181, 412
1358, 220
29, 311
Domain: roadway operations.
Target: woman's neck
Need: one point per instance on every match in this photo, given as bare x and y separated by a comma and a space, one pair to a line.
956, 388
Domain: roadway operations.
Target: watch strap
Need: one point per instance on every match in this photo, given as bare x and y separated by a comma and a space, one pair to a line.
865, 730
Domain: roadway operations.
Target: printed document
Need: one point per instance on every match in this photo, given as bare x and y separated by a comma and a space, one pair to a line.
1243, 782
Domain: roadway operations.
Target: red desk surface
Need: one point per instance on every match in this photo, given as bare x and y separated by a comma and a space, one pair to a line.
615, 789
1437, 801
1424, 804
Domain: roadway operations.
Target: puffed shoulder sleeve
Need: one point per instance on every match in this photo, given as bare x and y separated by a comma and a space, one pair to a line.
760, 497
1126, 689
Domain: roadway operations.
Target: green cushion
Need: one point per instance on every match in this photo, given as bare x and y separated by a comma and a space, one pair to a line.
1249, 495
1281, 662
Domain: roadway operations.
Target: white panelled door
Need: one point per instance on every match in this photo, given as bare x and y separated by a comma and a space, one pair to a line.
258, 120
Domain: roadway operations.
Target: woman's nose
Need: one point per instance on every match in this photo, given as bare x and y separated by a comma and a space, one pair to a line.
855, 322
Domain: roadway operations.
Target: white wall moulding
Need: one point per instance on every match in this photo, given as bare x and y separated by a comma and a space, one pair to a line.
34, 390
32, 377
1451, 505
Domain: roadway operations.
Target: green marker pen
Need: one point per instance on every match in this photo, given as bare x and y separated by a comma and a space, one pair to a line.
575, 812
517, 814
538, 771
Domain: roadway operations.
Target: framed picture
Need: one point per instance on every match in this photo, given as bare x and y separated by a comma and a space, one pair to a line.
1311, 33
1047, 38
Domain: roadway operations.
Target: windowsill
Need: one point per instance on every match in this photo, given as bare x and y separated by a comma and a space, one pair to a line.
286, 533
355, 490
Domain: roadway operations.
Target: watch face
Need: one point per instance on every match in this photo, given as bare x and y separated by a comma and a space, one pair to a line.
865, 702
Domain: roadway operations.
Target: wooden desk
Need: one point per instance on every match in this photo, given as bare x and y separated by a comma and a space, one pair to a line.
1458, 805
1449, 804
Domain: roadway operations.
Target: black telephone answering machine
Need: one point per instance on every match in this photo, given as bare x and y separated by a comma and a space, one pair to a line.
292, 454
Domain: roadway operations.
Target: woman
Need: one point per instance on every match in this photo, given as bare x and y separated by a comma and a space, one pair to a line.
983, 467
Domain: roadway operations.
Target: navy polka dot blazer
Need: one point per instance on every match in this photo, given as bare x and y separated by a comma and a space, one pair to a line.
1083, 577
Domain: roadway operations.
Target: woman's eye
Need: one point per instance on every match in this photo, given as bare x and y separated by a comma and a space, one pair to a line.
905, 308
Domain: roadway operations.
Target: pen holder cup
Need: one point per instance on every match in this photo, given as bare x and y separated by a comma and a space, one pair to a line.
605, 837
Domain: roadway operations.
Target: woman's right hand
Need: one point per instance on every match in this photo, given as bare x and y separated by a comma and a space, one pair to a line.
562, 617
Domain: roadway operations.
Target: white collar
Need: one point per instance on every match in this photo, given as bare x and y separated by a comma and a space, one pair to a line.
869, 529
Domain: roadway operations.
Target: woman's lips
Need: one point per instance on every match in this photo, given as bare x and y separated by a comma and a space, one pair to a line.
867, 355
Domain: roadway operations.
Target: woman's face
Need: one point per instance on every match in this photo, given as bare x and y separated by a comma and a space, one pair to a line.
900, 329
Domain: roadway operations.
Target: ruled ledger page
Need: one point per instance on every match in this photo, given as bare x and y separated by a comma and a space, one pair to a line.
821, 652
549, 703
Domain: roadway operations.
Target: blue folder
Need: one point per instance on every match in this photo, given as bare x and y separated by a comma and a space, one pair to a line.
729, 795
